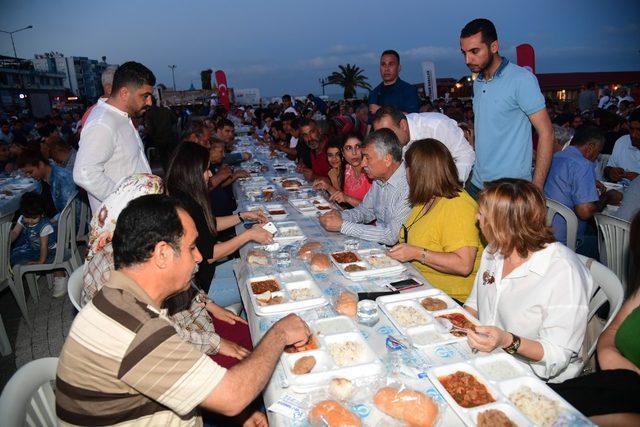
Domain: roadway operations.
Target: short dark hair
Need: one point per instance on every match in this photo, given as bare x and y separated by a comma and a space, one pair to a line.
31, 205
31, 158
483, 26
391, 52
132, 74
224, 122
635, 115
286, 98
145, 222
307, 122
386, 142
586, 134
288, 117
396, 115
277, 125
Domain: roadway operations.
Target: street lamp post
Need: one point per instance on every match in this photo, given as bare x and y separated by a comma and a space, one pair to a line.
11, 33
323, 83
173, 75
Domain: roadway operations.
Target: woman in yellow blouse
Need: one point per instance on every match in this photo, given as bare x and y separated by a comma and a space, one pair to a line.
440, 236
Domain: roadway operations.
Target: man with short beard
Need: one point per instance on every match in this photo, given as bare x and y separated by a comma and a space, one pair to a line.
506, 102
110, 147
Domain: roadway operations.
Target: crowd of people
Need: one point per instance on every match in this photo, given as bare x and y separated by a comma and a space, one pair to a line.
457, 188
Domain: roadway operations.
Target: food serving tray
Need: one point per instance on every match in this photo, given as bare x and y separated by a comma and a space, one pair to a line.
288, 231
329, 339
311, 206
276, 211
365, 264
506, 377
416, 323
287, 287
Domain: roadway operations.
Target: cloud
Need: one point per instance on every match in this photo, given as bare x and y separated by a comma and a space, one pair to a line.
430, 52
343, 49
629, 29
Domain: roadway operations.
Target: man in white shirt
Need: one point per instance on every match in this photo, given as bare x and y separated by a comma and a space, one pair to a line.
110, 147
417, 126
625, 158
288, 105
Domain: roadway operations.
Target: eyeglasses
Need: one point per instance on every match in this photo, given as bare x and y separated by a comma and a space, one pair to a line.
354, 148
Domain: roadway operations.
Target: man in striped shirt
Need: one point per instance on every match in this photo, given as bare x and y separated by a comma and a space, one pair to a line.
386, 203
123, 362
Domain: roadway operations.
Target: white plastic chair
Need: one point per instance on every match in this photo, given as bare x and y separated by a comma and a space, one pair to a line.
613, 244
5, 345
6, 278
82, 234
66, 256
569, 216
607, 287
28, 398
74, 287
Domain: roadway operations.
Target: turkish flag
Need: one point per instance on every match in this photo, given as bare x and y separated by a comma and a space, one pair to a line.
526, 57
223, 93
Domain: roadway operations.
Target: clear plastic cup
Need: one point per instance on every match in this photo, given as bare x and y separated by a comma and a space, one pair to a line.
283, 260
367, 312
351, 245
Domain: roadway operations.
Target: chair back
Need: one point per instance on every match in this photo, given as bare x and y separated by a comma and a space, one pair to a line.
28, 398
557, 208
607, 287
82, 233
5, 250
613, 244
66, 243
74, 289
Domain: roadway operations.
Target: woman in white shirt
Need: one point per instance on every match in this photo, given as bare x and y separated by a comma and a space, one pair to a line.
531, 293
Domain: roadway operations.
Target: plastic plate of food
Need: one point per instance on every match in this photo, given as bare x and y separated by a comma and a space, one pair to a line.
284, 293
364, 263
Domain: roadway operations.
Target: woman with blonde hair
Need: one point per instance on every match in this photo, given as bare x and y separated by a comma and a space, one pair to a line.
531, 292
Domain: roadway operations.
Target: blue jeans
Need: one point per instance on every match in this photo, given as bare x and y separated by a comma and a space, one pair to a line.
224, 289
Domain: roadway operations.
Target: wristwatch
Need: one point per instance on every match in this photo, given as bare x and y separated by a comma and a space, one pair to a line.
514, 346
240, 218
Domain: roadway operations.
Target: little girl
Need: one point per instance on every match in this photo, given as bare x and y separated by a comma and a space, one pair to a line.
34, 238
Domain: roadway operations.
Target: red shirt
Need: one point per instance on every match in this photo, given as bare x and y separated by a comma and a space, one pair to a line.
320, 163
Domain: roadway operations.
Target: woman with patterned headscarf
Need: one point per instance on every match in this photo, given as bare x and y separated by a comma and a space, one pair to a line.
188, 310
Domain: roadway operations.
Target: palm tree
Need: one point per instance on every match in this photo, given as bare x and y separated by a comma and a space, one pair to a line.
349, 77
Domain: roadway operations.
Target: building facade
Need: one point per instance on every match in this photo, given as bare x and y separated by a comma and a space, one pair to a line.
82, 75
22, 87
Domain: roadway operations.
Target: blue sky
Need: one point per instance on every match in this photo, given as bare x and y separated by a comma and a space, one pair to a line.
286, 46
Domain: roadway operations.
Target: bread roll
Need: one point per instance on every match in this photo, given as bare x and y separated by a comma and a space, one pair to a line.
307, 250
332, 414
415, 408
347, 304
319, 262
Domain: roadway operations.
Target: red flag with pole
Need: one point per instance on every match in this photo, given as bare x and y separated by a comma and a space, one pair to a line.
526, 57
223, 93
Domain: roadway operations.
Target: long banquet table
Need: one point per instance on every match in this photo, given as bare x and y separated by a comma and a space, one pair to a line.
409, 365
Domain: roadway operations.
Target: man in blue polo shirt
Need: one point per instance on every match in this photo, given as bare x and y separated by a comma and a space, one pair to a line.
506, 102
393, 91
572, 182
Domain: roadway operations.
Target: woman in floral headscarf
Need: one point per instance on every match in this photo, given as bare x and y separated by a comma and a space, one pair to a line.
190, 309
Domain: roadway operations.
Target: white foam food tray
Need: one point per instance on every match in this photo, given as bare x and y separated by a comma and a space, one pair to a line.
290, 285
330, 335
288, 231
276, 211
419, 323
500, 389
374, 263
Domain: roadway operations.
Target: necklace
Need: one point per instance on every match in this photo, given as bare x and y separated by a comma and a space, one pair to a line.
426, 209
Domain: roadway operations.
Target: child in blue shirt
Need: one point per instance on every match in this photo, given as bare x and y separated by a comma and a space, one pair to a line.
34, 239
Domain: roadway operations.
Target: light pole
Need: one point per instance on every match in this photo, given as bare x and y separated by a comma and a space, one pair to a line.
323, 82
11, 33
173, 75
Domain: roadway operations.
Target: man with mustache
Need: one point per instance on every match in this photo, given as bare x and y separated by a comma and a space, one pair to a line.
386, 203
110, 146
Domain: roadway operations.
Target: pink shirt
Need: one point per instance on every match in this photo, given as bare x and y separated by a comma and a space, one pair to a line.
356, 187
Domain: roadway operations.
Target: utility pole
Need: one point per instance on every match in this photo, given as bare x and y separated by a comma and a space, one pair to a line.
323, 83
11, 33
173, 75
